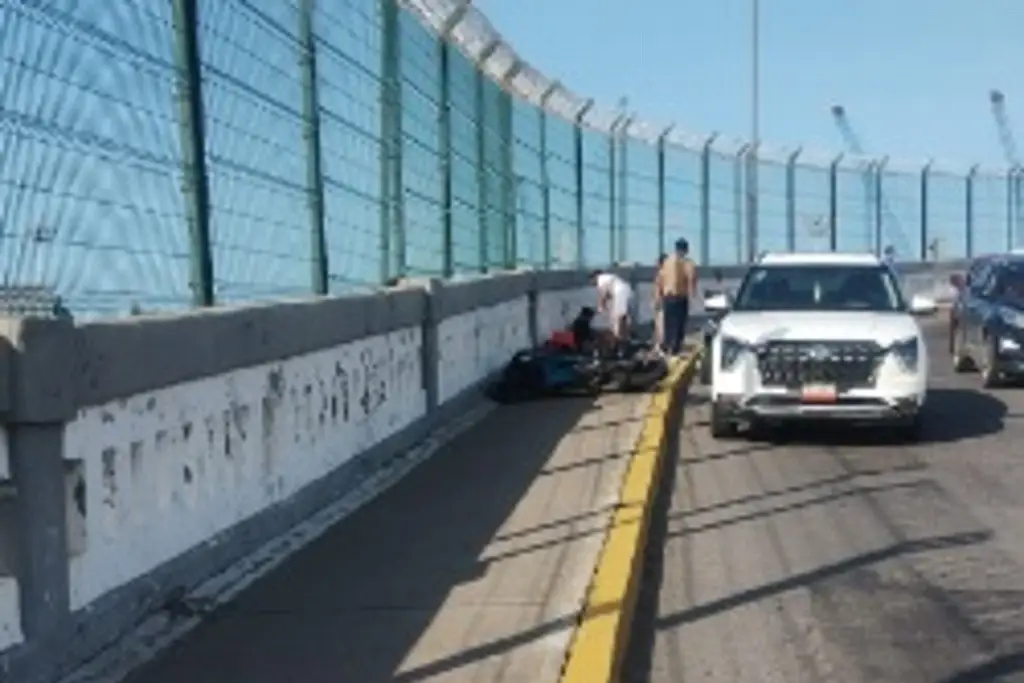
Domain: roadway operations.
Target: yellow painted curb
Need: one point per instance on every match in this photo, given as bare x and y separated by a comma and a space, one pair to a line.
602, 636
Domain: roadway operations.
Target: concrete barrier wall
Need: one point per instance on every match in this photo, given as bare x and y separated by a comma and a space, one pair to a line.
141, 456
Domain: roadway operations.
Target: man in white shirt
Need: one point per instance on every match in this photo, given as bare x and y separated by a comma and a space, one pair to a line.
614, 297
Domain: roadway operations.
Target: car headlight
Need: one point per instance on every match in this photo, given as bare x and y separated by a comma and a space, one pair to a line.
908, 353
1012, 318
731, 350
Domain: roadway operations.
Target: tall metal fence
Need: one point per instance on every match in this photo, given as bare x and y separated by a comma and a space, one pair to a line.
164, 154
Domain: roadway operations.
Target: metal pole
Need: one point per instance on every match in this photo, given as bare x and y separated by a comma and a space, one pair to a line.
925, 171
314, 168
737, 180
483, 238
1009, 207
969, 211
755, 131
581, 115
195, 182
661, 187
879, 213
791, 199
705, 199
623, 137
444, 112
612, 148
391, 195
833, 203
545, 180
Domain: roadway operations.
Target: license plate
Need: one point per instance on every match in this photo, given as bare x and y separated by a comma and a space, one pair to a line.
819, 393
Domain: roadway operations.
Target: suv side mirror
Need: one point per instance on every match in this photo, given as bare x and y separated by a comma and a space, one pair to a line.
717, 303
923, 305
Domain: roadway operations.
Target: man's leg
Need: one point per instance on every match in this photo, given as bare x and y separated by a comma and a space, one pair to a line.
670, 322
684, 318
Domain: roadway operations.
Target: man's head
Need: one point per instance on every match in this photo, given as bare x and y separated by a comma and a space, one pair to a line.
594, 274
682, 247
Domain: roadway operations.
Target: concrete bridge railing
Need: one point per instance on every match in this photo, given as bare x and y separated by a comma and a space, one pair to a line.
140, 456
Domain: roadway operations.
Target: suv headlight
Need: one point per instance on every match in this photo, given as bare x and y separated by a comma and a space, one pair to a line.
907, 353
731, 351
1012, 318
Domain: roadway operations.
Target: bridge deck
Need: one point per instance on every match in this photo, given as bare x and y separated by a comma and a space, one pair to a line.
472, 568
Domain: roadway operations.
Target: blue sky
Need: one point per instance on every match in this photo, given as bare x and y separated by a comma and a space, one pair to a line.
914, 75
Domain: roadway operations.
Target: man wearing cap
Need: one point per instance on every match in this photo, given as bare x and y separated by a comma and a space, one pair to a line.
677, 280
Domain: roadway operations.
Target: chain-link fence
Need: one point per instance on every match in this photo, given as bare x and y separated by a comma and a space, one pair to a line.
165, 154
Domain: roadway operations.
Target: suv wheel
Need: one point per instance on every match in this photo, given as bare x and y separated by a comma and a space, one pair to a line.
990, 376
722, 426
911, 430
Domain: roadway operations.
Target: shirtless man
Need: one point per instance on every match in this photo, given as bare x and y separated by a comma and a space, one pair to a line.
677, 280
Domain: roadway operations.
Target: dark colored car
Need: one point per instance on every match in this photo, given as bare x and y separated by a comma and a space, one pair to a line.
986, 323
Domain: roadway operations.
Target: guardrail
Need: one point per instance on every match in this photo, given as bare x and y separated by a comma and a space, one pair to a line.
140, 456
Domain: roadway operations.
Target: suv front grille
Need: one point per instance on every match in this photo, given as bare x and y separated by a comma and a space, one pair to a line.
792, 364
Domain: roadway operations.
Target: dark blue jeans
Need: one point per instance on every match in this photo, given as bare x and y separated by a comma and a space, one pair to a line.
675, 312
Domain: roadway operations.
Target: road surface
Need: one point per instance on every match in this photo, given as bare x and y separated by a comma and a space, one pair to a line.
833, 556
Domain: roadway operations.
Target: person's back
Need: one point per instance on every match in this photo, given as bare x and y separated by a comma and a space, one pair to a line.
676, 275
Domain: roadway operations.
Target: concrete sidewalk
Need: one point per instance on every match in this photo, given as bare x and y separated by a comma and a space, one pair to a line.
472, 568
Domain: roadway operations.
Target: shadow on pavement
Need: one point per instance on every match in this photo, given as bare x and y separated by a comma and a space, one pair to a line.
952, 414
354, 603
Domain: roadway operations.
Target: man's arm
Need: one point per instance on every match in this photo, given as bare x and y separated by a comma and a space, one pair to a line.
690, 273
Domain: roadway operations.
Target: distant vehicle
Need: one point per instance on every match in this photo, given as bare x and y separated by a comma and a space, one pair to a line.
818, 336
986, 322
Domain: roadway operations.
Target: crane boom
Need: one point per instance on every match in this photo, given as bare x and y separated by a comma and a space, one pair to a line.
855, 146
1006, 138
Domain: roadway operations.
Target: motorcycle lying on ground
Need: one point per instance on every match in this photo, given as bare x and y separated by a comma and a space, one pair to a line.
565, 369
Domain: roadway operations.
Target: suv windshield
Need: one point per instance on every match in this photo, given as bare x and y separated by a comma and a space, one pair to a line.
1009, 284
819, 288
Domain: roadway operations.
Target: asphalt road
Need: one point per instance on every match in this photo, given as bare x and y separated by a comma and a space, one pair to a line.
831, 555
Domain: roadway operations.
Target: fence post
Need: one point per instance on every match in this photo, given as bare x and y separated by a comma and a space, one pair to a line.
879, 202
833, 203
738, 197
195, 182
314, 167
925, 172
623, 142
391, 215
753, 204
545, 178
661, 187
791, 198
479, 108
1015, 199
705, 199
969, 211
613, 186
509, 185
444, 113
581, 218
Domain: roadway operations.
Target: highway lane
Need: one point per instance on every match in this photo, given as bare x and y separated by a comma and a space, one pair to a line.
831, 555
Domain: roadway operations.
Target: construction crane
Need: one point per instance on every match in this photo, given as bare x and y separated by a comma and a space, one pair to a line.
854, 145
1013, 160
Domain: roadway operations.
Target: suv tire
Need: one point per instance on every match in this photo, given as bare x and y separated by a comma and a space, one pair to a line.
722, 426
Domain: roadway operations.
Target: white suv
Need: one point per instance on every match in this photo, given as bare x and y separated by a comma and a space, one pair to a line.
818, 336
